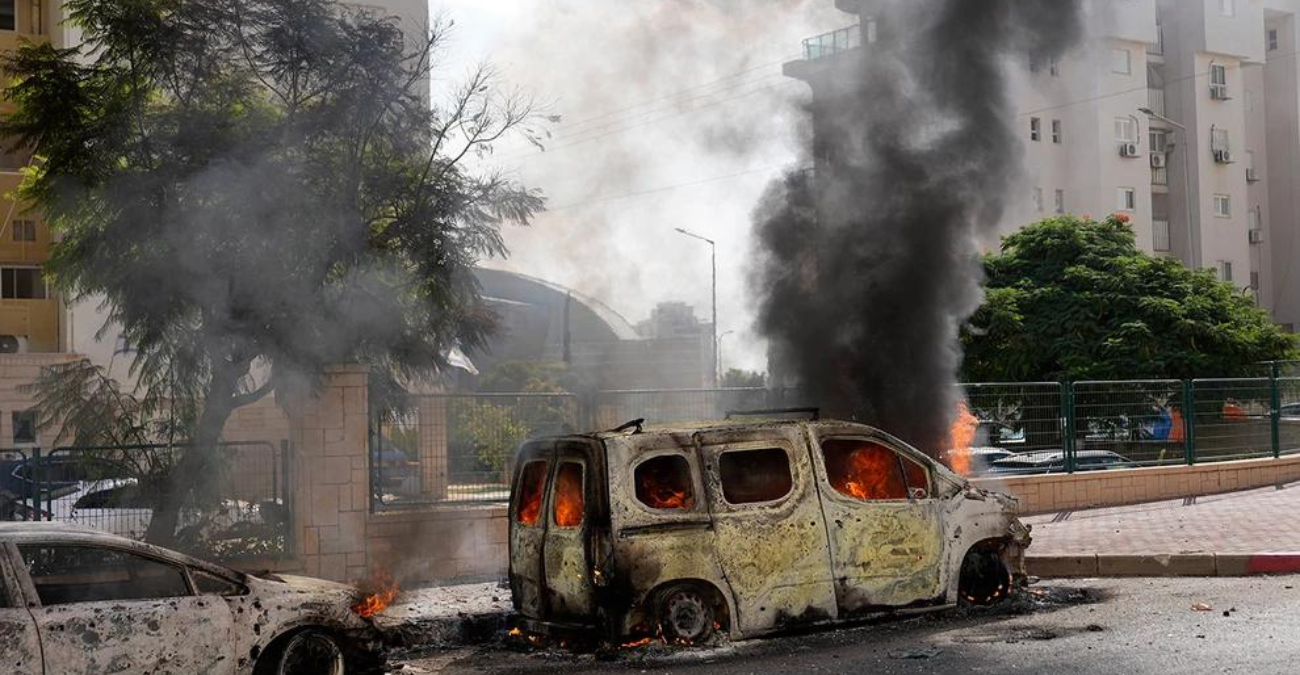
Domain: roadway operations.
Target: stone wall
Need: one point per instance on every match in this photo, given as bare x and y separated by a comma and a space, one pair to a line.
1052, 493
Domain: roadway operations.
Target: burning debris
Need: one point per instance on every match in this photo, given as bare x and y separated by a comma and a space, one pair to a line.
377, 594
870, 267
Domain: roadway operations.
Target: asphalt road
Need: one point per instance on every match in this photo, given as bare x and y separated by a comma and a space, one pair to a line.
1094, 627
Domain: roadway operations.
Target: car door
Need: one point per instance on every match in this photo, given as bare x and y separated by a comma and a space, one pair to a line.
20, 645
101, 610
528, 527
575, 498
883, 522
769, 538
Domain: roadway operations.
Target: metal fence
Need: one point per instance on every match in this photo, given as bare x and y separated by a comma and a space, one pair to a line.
241, 508
457, 448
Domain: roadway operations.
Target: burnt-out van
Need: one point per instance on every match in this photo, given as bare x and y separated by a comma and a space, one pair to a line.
746, 528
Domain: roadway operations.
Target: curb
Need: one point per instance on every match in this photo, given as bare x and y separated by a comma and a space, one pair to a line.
1162, 565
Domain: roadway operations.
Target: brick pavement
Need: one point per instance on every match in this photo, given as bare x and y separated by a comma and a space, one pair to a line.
1255, 521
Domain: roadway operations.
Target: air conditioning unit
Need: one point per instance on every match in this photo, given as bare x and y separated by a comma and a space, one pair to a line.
1256, 236
1252, 176
1158, 161
1223, 156
1128, 150
13, 344
1219, 92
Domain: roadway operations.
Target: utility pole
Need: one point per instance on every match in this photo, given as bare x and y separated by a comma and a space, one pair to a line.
714, 249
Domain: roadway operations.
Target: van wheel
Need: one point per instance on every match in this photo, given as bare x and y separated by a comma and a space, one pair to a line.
985, 578
685, 615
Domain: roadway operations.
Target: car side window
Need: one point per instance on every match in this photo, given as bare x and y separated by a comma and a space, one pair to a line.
211, 584
532, 484
755, 476
868, 471
664, 483
65, 574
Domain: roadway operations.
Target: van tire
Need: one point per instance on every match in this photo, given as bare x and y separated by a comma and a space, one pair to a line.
685, 614
985, 578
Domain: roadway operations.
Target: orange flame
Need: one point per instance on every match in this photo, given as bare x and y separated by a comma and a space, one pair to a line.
868, 472
378, 591
530, 492
569, 501
960, 436
661, 490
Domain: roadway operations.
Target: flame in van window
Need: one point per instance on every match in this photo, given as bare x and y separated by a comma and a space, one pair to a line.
530, 493
569, 500
665, 483
864, 470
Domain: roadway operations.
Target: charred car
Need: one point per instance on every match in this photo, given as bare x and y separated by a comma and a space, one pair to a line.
82, 602
747, 528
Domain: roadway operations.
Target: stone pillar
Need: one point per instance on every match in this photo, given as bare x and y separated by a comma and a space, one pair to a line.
330, 475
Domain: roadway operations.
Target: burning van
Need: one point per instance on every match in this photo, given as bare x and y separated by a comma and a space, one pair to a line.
745, 528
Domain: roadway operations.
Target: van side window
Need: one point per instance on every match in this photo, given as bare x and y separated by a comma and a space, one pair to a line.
531, 485
665, 483
569, 500
753, 476
864, 470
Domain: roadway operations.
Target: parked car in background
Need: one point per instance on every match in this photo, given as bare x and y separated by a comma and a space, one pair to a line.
1290, 412
982, 459
1053, 461
82, 602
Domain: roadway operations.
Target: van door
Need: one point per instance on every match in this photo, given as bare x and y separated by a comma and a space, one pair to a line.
575, 498
20, 646
769, 537
884, 524
528, 527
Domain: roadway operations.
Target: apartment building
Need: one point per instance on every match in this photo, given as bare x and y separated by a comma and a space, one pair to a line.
1182, 114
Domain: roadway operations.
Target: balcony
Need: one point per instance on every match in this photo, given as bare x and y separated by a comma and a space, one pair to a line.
1158, 49
834, 42
1156, 100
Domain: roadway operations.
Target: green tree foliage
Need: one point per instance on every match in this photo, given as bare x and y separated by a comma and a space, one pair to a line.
494, 427
1074, 299
257, 188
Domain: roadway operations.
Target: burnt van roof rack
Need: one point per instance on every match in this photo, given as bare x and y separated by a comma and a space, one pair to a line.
813, 414
635, 426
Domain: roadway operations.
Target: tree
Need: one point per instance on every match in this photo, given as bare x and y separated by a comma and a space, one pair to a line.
1074, 299
736, 378
257, 188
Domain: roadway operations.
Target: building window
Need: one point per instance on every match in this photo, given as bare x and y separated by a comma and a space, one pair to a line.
1121, 61
1254, 220
1035, 129
1225, 271
24, 427
1159, 142
22, 283
1126, 130
1254, 286
8, 14
1272, 39
1160, 235
1127, 199
1222, 206
24, 230
1228, 7
1060, 201
1056, 132
1038, 200
1218, 82
1219, 140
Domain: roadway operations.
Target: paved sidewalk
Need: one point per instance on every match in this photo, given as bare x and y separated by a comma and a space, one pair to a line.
446, 616
1257, 521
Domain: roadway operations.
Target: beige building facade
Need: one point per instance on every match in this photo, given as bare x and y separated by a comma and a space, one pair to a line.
1182, 114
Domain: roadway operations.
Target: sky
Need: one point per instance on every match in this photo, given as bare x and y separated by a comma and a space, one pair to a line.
674, 113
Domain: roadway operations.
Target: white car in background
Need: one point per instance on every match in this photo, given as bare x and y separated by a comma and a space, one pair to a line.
119, 506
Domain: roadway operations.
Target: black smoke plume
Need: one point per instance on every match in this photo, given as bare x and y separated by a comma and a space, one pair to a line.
869, 267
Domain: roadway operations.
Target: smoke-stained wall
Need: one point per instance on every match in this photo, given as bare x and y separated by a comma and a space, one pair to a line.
869, 267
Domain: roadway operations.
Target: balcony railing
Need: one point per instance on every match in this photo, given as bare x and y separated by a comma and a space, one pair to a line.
1156, 100
1160, 176
1158, 49
834, 42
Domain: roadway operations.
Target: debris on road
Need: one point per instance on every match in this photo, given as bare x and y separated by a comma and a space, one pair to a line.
1201, 607
916, 654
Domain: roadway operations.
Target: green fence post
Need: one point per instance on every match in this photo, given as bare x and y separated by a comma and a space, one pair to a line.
1068, 433
1189, 422
1275, 409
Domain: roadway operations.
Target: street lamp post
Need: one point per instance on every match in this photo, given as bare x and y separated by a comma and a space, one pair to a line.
1193, 250
713, 248
722, 372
